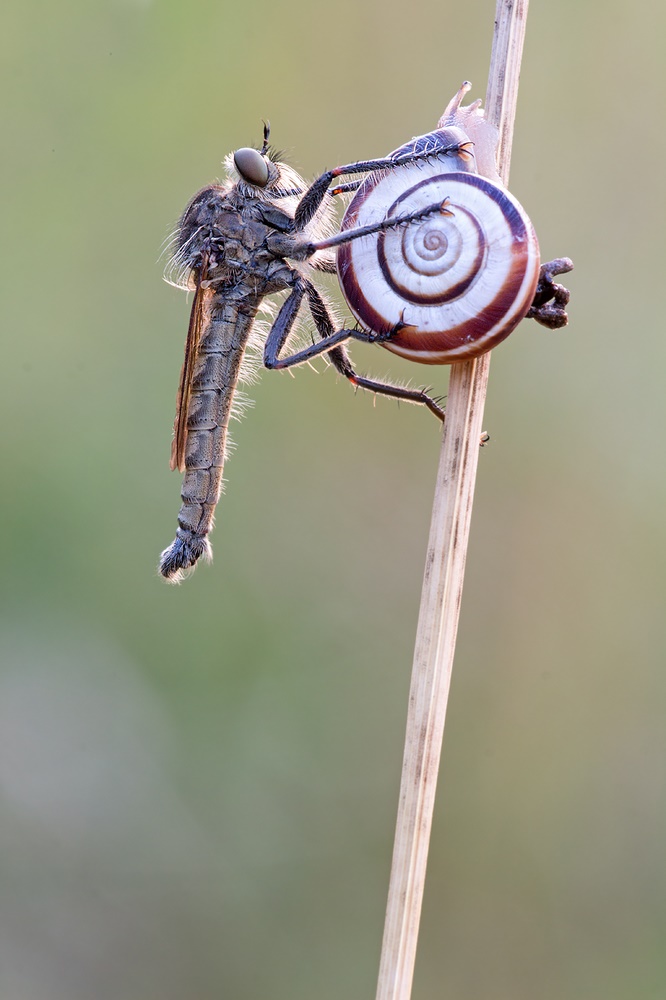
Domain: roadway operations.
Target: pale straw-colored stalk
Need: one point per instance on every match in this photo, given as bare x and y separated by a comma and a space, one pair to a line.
443, 579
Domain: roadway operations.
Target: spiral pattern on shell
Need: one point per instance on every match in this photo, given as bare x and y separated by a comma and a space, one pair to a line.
459, 280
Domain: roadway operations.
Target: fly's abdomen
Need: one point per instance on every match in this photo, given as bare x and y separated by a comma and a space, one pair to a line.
214, 381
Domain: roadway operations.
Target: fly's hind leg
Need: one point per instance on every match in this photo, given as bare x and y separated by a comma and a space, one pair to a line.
341, 361
330, 345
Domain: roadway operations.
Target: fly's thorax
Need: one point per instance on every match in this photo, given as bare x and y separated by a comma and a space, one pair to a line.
195, 233
219, 229
240, 232
245, 266
202, 214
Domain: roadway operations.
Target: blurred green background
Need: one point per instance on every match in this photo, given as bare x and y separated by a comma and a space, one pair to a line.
199, 783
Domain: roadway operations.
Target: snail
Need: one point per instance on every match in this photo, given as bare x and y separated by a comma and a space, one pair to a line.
456, 283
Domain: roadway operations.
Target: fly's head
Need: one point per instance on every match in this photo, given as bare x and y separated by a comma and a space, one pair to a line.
263, 175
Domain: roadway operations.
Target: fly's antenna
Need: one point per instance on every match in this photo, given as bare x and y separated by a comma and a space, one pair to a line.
267, 132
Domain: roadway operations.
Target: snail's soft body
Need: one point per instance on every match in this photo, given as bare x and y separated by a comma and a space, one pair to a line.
455, 284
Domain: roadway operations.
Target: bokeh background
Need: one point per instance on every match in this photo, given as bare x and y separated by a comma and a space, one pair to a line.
199, 783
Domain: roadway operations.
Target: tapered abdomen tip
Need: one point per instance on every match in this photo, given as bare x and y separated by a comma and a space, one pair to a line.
178, 561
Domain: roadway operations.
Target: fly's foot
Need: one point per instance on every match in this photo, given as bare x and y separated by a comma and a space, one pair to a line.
392, 331
551, 298
380, 336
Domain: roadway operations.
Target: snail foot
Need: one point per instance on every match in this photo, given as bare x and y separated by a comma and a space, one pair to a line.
550, 299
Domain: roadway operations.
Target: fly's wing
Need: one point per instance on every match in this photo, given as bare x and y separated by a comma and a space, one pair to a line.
197, 323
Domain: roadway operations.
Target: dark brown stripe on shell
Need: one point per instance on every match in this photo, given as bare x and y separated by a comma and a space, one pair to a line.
445, 296
413, 342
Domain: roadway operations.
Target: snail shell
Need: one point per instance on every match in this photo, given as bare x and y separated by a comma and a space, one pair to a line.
459, 282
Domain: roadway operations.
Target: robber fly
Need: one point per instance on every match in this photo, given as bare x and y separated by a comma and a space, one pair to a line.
261, 231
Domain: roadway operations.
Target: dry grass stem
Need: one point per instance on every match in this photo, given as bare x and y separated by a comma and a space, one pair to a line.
443, 579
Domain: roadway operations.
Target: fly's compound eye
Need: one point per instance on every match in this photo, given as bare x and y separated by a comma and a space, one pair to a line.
251, 165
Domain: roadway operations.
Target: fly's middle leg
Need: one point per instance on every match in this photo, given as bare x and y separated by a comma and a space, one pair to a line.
284, 324
347, 235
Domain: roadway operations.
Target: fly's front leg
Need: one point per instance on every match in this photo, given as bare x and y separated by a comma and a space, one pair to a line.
313, 197
345, 188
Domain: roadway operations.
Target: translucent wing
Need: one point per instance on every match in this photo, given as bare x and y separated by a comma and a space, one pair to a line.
194, 331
